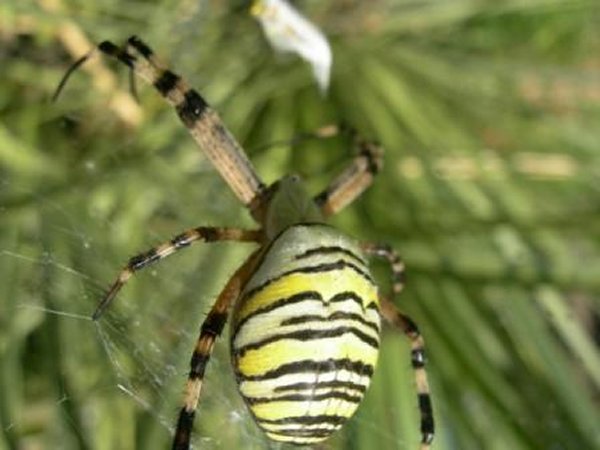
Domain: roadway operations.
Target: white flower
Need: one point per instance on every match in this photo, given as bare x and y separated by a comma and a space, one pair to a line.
289, 31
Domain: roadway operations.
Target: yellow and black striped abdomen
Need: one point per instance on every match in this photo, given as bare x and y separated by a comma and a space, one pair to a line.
305, 334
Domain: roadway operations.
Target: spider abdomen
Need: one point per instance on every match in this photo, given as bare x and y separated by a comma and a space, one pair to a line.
305, 334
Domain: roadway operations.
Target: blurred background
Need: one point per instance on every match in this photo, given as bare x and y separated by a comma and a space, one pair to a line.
489, 114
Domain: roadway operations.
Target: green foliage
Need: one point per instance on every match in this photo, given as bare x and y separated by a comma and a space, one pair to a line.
489, 114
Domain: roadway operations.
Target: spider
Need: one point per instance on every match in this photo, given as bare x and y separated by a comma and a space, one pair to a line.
305, 310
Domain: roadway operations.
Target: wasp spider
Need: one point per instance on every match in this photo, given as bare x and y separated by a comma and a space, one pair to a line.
305, 309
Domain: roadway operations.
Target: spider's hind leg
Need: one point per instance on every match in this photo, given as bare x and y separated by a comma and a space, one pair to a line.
393, 316
397, 319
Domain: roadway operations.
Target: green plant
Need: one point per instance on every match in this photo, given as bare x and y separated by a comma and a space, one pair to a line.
488, 112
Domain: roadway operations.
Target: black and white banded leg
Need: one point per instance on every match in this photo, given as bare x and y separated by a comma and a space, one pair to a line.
209, 331
202, 122
183, 240
392, 315
353, 180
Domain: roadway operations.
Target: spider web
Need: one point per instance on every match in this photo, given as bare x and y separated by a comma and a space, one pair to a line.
137, 354
145, 341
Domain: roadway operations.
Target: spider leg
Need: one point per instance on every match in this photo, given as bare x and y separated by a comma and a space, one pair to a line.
353, 180
203, 123
210, 330
75, 66
393, 316
393, 259
390, 312
199, 234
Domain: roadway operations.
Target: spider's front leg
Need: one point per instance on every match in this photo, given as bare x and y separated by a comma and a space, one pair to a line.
203, 123
355, 179
183, 240
210, 330
394, 317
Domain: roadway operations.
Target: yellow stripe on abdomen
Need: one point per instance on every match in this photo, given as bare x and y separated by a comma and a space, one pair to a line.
327, 284
256, 362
